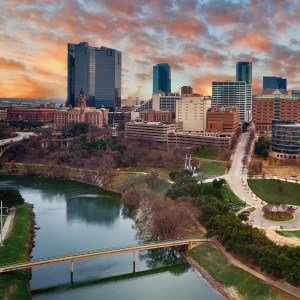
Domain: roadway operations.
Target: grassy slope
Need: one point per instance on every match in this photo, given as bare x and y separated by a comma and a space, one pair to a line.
208, 153
273, 191
295, 233
250, 287
14, 285
210, 169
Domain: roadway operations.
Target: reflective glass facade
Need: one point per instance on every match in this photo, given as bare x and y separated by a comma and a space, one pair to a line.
286, 138
244, 71
273, 83
162, 78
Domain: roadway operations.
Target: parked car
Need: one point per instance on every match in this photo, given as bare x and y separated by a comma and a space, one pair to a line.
246, 212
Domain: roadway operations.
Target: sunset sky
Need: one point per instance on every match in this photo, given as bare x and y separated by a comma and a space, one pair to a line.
201, 40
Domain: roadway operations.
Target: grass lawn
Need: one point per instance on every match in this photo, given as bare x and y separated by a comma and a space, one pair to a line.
249, 286
228, 195
276, 191
212, 169
208, 153
15, 285
295, 233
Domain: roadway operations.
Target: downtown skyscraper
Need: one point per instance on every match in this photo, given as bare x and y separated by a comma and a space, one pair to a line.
234, 93
162, 78
98, 72
244, 71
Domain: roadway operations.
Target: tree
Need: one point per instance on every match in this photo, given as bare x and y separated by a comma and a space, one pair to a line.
10, 197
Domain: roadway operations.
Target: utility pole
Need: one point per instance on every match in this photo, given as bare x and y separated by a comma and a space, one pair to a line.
1, 226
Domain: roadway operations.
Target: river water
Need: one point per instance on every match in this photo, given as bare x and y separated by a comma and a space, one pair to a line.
75, 217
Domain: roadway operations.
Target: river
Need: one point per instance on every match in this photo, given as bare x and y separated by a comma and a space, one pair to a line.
75, 217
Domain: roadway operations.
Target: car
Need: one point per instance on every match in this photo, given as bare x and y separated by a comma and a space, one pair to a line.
246, 212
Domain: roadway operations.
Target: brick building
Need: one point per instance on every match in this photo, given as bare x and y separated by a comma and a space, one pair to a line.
277, 106
81, 113
222, 119
158, 116
31, 114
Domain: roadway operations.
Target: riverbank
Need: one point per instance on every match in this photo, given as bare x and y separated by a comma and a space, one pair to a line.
18, 246
231, 281
215, 286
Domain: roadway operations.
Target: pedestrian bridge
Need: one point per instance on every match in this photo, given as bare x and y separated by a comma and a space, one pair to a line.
188, 243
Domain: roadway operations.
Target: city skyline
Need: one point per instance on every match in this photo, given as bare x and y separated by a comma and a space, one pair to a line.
202, 41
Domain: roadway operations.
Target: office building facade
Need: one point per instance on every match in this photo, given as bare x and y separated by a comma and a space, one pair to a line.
186, 90
244, 71
273, 83
162, 78
191, 113
234, 93
276, 106
98, 72
285, 142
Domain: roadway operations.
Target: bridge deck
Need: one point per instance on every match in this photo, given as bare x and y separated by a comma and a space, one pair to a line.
98, 253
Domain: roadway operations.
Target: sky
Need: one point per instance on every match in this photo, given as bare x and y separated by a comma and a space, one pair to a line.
201, 40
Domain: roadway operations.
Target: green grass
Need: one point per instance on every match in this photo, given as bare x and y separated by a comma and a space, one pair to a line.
276, 191
228, 195
212, 169
15, 285
295, 233
208, 153
249, 286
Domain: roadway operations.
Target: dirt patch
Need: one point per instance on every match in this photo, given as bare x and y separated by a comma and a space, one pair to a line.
279, 168
281, 240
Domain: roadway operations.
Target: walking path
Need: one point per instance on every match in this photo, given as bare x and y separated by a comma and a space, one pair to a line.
7, 225
237, 180
279, 284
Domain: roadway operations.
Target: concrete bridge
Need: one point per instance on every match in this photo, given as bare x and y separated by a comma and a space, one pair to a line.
189, 243
7, 143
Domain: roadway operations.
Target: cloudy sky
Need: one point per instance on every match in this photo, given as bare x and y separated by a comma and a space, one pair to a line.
200, 39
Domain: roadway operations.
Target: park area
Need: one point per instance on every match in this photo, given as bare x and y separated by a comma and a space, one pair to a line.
211, 168
276, 191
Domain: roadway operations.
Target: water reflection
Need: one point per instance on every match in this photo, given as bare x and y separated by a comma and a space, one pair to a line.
93, 209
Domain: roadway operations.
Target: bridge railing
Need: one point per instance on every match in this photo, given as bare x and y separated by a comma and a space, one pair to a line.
164, 243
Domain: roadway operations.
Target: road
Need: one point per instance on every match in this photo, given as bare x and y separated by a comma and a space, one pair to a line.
21, 136
237, 180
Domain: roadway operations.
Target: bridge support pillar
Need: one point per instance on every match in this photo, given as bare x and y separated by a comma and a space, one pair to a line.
133, 261
72, 267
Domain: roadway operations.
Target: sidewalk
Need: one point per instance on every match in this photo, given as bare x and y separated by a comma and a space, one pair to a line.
8, 222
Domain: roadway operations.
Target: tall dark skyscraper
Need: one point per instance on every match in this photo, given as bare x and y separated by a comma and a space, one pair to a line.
244, 71
98, 72
273, 83
162, 78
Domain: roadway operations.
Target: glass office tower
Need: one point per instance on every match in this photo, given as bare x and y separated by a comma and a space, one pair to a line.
162, 78
98, 72
244, 71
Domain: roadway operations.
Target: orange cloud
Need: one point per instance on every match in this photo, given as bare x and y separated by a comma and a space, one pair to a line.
31, 88
10, 64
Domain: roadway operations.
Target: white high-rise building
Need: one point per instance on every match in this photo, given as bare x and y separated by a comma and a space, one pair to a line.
191, 113
234, 93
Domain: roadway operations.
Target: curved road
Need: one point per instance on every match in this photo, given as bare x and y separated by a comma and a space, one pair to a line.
237, 180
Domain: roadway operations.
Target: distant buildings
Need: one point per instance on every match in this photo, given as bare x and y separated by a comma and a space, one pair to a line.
234, 93
160, 101
276, 106
162, 78
295, 93
272, 83
191, 113
244, 71
186, 90
98, 72
3, 114
285, 140
81, 113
